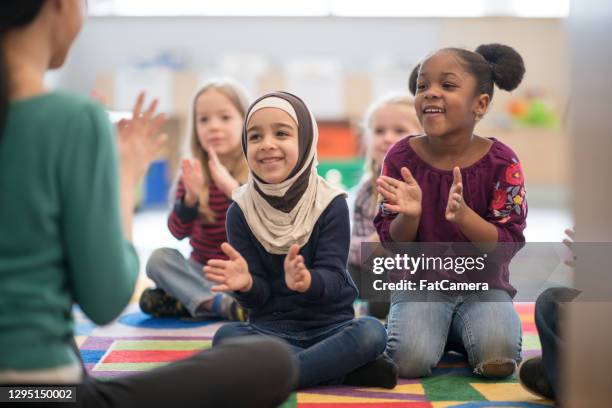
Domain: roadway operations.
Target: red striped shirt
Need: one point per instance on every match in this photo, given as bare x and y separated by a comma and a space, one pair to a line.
205, 237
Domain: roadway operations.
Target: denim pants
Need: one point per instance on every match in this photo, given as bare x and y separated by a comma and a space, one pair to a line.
423, 325
324, 355
182, 278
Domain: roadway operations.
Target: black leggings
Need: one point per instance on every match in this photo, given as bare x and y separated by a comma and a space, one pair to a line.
251, 372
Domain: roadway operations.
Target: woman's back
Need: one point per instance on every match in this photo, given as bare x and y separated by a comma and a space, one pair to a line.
61, 237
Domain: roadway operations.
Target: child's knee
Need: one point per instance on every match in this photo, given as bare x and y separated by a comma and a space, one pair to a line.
373, 336
413, 359
156, 262
504, 350
414, 365
228, 331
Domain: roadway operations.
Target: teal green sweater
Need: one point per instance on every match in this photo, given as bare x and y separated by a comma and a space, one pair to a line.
61, 240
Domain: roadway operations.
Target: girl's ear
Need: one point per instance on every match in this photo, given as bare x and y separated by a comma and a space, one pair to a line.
481, 106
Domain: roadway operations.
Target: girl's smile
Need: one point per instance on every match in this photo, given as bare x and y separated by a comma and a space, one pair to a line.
445, 98
272, 144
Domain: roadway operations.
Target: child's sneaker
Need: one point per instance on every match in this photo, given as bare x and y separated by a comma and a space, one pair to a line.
158, 303
228, 308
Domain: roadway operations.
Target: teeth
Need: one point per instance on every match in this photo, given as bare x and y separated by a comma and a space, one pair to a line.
434, 110
269, 160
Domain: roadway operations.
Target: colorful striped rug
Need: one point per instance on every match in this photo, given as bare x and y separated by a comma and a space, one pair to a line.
136, 343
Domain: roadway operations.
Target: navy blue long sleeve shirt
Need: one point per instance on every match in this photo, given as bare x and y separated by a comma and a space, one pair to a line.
328, 301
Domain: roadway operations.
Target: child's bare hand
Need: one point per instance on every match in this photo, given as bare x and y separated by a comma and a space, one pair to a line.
139, 140
401, 196
193, 179
220, 175
229, 275
297, 276
569, 243
455, 209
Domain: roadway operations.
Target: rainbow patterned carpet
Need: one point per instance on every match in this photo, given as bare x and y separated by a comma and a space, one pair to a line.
136, 343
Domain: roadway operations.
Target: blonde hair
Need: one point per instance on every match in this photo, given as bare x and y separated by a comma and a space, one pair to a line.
239, 170
371, 168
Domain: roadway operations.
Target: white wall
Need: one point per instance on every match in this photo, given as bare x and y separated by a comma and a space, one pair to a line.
109, 43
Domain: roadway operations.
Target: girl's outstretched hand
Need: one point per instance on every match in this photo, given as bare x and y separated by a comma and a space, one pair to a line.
401, 196
193, 180
229, 275
220, 175
297, 276
139, 141
455, 208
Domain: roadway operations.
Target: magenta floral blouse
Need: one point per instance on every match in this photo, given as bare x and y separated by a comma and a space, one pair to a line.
493, 187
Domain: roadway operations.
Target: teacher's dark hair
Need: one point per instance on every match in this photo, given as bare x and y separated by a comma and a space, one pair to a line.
13, 14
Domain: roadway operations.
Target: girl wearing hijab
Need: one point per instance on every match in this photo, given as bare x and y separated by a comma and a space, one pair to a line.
289, 236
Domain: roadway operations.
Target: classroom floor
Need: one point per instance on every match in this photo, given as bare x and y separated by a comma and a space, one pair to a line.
135, 342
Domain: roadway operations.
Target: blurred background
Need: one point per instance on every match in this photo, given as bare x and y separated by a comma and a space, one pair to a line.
338, 55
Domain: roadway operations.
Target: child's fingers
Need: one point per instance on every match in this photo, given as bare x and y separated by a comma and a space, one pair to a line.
186, 166
293, 251
215, 278
407, 175
570, 233
387, 195
215, 270
457, 175
213, 155
294, 262
220, 288
391, 207
218, 263
459, 188
389, 182
230, 251
381, 185
197, 167
150, 110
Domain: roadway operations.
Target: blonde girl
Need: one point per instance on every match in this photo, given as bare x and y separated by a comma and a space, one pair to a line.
202, 197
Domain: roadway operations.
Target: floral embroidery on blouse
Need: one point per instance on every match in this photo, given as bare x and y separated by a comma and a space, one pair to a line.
511, 199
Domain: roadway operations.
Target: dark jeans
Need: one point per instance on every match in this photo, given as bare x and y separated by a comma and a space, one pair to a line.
241, 373
324, 355
548, 314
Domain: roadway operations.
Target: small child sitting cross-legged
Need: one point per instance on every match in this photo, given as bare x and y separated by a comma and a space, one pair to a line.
289, 238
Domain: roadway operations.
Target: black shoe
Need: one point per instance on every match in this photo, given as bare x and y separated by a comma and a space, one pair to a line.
533, 378
158, 303
382, 372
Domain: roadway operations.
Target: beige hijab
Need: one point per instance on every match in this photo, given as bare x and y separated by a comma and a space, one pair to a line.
283, 214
